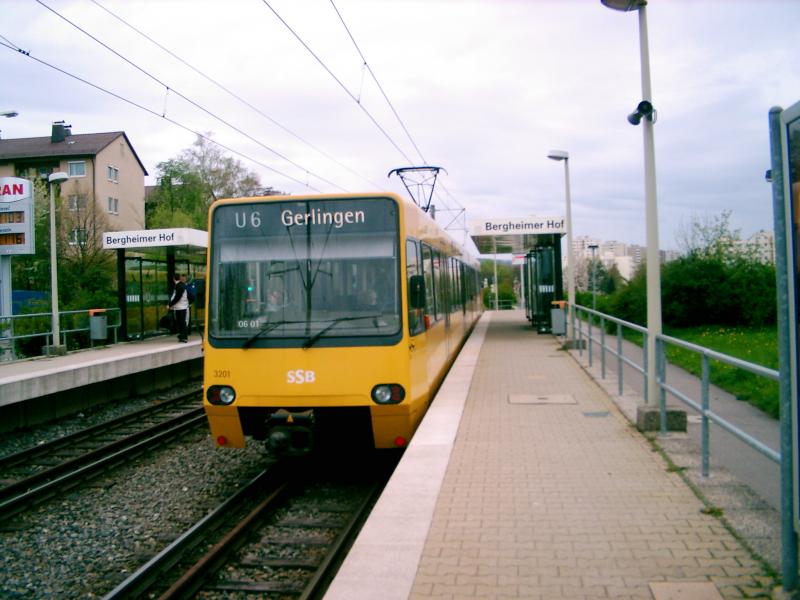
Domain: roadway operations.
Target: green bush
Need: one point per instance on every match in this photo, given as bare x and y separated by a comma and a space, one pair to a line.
703, 290
629, 303
692, 292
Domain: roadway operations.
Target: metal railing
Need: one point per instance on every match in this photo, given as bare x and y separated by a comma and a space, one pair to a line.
16, 329
703, 408
504, 304
590, 321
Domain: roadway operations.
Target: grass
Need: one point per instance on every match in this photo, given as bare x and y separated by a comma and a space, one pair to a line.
755, 345
758, 345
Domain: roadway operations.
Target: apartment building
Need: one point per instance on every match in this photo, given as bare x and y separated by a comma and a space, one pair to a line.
761, 245
105, 173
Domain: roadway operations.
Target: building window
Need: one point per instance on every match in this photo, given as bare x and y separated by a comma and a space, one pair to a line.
113, 205
77, 202
77, 237
113, 174
77, 168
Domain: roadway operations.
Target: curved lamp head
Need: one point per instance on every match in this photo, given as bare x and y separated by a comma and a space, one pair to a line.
57, 177
624, 5
8, 113
558, 155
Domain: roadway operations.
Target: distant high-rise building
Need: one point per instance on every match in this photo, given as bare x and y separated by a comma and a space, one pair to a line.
761, 245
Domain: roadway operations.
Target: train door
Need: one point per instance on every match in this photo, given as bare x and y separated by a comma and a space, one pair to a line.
435, 326
417, 347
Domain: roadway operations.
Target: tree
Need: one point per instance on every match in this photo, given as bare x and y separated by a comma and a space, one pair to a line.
614, 280
86, 271
191, 182
713, 283
181, 199
223, 176
709, 236
630, 302
506, 274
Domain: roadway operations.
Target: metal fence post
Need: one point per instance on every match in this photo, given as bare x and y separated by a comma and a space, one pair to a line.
619, 359
645, 365
572, 320
661, 377
589, 341
704, 368
602, 348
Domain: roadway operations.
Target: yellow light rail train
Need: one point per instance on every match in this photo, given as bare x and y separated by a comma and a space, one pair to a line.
330, 317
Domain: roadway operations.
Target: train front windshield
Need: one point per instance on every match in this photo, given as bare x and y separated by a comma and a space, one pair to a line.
305, 273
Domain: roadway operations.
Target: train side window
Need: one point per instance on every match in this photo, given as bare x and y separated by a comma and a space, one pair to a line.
427, 272
439, 284
416, 321
458, 284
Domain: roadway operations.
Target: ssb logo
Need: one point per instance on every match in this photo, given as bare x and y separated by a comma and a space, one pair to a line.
300, 376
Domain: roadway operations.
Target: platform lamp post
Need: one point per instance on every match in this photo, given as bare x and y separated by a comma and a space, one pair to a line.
53, 179
559, 155
646, 115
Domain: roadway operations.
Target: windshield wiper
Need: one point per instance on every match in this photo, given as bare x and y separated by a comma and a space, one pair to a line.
266, 329
313, 339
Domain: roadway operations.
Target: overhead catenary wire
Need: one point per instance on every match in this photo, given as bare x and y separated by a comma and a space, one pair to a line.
338, 81
460, 209
380, 87
27, 54
235, 95
189, 100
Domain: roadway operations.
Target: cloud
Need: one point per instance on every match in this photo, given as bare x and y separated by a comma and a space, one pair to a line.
485, 88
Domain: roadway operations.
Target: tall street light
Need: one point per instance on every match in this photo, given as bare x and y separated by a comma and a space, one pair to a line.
646, 115
559, 155
53, 179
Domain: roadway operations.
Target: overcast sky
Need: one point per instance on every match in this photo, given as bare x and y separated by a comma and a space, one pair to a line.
484, 88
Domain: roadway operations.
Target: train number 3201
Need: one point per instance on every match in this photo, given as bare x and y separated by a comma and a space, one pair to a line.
300, 376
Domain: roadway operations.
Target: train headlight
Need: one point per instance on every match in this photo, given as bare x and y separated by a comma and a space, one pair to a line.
388, 393
220, 394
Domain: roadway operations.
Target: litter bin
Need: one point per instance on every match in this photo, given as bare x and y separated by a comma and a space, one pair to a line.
558, 318
98, 324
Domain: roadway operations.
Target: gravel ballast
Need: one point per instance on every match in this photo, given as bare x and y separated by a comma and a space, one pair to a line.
82, 544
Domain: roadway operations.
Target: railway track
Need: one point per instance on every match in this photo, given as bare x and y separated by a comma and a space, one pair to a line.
41, 472
280, 536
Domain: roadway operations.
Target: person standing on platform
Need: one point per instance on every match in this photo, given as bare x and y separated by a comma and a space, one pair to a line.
190, 299
179, 304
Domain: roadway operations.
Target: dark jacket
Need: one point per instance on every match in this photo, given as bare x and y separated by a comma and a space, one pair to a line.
180, 290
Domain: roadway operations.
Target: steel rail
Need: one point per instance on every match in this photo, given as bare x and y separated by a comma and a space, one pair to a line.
192, 580
121, 451
23, 456
147, 575
330, 563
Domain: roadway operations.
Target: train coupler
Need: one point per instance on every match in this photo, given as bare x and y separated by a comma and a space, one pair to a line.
290, 434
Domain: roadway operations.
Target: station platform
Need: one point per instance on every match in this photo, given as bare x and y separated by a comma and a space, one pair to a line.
37, 390
525, 480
